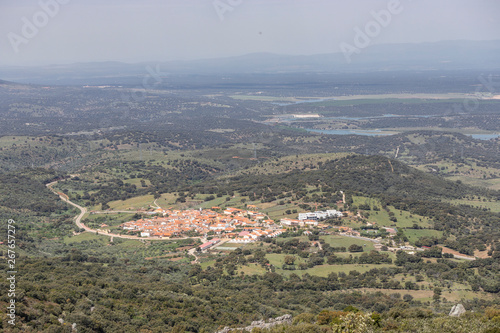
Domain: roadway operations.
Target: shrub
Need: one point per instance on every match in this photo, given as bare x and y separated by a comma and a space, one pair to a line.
327, 317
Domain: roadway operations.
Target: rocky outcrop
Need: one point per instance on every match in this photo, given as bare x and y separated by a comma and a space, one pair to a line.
286, 319
457, 310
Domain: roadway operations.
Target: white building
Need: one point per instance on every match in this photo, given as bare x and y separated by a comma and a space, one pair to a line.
310, 223
318, 215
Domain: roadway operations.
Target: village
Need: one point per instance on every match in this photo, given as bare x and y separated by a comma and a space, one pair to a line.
242, 226
239, 225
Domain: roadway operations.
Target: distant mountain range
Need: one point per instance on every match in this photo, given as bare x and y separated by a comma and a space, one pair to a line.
425, 56
6, 82
446, 55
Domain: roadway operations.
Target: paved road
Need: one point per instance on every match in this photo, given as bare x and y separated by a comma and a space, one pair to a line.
193, 253
83, 210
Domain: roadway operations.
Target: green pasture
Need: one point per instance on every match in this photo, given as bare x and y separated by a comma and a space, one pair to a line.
415, 234
140, 202
344, 241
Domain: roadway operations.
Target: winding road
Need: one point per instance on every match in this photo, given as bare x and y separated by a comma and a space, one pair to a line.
193, 253
83, 211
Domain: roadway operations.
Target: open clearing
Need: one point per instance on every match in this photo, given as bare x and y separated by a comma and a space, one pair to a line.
141, 202
354, 97
426, 295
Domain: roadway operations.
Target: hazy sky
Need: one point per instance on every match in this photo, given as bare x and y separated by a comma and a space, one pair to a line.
32, 33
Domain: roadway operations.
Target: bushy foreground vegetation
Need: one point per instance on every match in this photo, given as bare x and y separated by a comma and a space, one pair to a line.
161, 296
414, 320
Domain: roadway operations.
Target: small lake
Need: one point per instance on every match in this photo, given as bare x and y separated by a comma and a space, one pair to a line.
380, 133
484, 136
351, 131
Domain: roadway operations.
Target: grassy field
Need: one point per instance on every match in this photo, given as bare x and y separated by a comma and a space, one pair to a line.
278, 212
494, 206
415, 234
86, 236
252, 269
141, 202
381, 217
166, 200
278, 259
342, 241
229, 244
406, 219
8, 141
493, 184
112, 220
137, 182
205, 264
